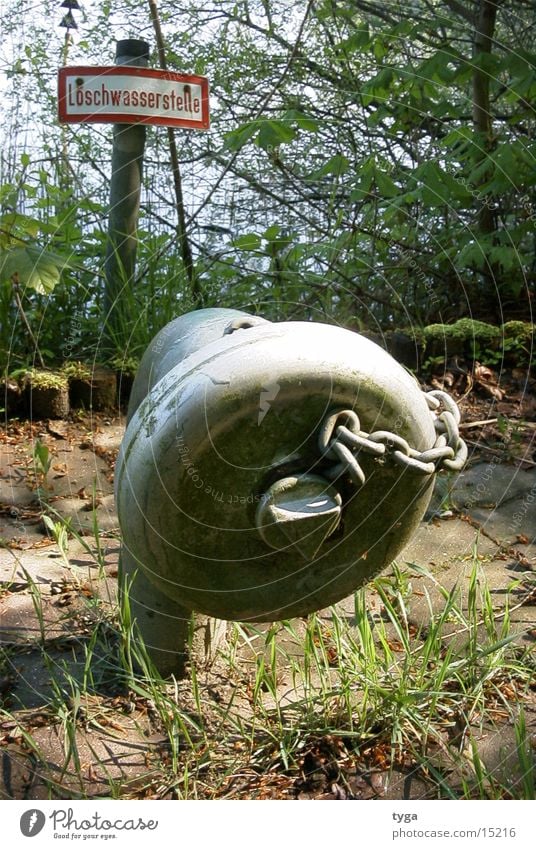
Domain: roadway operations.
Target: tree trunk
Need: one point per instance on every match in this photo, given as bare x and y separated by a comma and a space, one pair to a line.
482, 124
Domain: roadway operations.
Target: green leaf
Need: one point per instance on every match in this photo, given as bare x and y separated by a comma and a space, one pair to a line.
504, 256
385, 185
378, 86
31, 266
437, 67
457, 189
356, 42
19, 225
482, 172
380, 49
432, 189
487, 62
304, 122
456, 136
279, 242
471, 255
25, 159
248, 242
267, 133
272, 232
274, 133
337, 165
239, 137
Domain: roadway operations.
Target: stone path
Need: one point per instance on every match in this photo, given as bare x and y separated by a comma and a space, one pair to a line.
486, 516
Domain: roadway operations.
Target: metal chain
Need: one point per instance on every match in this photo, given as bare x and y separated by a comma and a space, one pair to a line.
341, 439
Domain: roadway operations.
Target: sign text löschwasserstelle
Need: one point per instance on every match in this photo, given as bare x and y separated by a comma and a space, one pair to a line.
122, 94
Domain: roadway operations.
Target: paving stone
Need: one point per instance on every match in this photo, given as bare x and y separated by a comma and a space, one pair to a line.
18, 569
409, 785
510, 521
492, 484
86, 471
438, 542
119, 759
19, 536
18, 779
21, 624
522, 618
32, 672
500, 750
82, 518
501, 499
15, 493
110, 439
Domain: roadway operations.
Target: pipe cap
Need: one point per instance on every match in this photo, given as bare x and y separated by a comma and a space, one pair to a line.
299, 513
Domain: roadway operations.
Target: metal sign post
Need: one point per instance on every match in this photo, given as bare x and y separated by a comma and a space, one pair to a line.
131, 96
125, 191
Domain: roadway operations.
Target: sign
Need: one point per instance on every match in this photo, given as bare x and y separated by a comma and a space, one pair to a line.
123, 94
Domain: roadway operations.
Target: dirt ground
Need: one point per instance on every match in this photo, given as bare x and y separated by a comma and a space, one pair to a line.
55, 591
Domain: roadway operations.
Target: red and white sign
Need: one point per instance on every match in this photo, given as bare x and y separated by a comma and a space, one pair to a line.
122, 94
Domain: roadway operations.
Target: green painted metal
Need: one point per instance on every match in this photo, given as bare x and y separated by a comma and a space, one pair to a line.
217, 419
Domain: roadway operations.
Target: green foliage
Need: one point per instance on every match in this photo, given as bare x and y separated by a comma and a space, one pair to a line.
465, 328
264, 133
512, 343
41, 457
32, 267
357, 145
76, 371
126, 366
46, 379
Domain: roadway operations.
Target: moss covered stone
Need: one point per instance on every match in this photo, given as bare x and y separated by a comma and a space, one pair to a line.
74, 370
38, 379
475, 340
48, 394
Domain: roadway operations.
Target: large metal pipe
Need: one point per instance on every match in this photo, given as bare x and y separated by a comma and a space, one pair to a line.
269, 470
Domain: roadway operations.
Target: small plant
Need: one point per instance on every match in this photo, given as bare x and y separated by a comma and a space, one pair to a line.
46, 379
126, 365
74, 370
397, 586
511, 431
42, 459
60, 535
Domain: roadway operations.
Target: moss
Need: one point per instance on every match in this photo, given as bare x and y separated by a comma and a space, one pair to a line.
76, 371
46, 379
463, 329
520, 330
509, 344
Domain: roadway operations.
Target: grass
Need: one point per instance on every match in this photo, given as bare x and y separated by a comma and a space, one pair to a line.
298, 707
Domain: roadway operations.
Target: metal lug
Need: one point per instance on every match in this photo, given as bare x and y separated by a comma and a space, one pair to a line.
299, 513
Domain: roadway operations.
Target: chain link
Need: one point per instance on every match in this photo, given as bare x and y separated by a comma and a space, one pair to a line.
342, 439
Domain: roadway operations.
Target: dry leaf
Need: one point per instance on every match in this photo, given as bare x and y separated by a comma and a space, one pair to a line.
57, 428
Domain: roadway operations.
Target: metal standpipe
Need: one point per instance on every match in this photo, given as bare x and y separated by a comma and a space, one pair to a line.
125, 192
267, 470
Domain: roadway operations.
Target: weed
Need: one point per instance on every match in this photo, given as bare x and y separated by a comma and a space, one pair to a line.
41, 458
74, 370
60, 534
43, 379
385, 692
